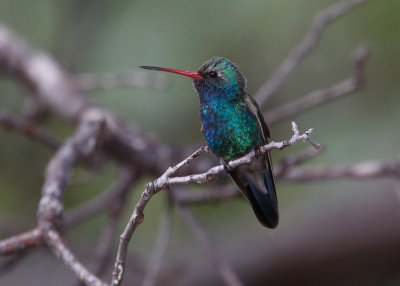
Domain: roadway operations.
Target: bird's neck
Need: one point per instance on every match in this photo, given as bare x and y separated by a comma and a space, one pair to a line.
212, 96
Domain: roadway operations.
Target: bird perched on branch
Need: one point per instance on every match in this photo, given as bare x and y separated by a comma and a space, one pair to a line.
233, 125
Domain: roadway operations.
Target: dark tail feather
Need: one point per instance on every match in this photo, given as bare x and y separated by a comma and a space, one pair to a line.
265, 205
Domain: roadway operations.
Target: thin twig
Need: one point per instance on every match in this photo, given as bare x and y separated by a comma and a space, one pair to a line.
104, 247
225, 271
215, 195
90, 81
225, 193
157, 256
59, 248
247, 159
102, 202
116, 207
321, 20
12, 261
363, 170
10, 122
295, 159
315, 98
21, 242
138, 216
113, 200
165, 181
286, 170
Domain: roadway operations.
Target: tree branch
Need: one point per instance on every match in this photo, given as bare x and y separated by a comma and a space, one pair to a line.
363, 170
46, 79
225, 271
317, 97
321, 20
157, 256
21, 242
57, 245
109, 199
10, 123
165, 181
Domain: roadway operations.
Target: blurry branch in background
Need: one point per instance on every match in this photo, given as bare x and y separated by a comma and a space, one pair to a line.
317, 97
321, 20
116, 206
10, 122
362, 170
88, 81
99, 133
157, 256
288, 170
11, 261
225, 271
21, 242
109, 200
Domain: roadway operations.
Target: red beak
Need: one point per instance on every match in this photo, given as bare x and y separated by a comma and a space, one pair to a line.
193, 75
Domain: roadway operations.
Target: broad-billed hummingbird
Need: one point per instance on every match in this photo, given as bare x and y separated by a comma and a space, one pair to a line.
233, 125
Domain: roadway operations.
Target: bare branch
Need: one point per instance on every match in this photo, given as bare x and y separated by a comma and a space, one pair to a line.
315, 98
138, 216
321, 20
363, 170
108, 200
215, 195
225, 271
10, 122
21, 242
247, 159
286, 170
116, 207
165, 181
110, 81
60, 167
46, 79
157, 256
57, 245
105, 245
11, 261
295, 159
225, 193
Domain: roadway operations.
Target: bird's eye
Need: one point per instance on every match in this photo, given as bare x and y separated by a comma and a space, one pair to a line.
213, 74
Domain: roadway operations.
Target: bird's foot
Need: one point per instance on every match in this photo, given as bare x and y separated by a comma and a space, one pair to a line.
227, 167
257, 152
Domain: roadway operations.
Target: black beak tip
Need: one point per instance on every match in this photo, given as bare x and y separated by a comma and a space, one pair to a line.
146, 67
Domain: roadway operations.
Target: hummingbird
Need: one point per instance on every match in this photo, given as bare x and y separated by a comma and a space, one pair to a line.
233, 124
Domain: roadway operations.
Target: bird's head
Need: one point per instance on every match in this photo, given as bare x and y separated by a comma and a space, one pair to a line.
216, 77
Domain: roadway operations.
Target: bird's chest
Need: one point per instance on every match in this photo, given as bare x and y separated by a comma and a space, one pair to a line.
230, 130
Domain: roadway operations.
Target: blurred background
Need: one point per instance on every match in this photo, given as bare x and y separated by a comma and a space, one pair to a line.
88, 36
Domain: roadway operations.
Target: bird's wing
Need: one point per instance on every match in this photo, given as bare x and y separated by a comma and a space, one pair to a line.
259, 187
255, 109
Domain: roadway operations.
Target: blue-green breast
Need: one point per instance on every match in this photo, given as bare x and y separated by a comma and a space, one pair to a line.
231, 130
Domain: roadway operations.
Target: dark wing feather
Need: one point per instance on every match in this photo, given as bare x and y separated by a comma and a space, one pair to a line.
255, 109
262, 196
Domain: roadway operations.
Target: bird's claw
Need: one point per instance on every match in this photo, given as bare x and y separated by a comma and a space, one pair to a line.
227, 167
257, 152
